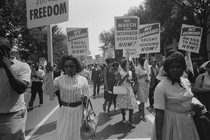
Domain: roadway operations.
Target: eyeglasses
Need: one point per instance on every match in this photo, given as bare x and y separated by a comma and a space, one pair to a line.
70, 66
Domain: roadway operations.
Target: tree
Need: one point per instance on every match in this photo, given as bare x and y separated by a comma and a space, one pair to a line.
106, 38
173, 13
31, 42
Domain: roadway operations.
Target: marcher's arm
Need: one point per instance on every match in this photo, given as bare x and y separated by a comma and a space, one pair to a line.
124, 78
17, 84
105, 81
198, 85
143, 75
159, 117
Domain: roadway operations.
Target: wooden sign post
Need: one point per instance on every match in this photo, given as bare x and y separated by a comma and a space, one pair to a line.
50, 60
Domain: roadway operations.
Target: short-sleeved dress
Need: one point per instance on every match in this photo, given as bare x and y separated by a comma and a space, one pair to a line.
70, 118
126, 101
143, 88
176, 102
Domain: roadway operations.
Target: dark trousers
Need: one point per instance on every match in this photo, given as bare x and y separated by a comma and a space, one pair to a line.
12, 125
114, 100
151, 96
96, 85
36, 87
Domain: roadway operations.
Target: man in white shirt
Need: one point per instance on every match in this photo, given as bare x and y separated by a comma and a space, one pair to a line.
14, 79
36, 86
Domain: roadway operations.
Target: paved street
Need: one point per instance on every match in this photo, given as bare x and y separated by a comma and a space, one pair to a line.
41, 122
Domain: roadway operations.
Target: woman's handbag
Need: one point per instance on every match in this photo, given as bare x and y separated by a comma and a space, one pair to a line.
202, 123
90, 120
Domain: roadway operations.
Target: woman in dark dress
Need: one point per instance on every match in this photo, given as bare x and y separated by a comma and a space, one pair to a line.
109, 82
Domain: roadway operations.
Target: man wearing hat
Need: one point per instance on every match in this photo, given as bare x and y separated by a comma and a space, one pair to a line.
14, 79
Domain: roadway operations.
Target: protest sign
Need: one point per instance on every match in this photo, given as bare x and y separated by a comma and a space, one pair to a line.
126, 32
97, 57
149, 38
78, 41
89, 60
109, 53
190, 38
102, 60
118, 55
130, 52
43, 12
159, 57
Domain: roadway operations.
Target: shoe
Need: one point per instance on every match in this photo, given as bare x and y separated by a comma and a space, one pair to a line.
124, 121
104, 107
151, 106
115, 110
40, 105
108, 112
30, 108
143, 119
131, 124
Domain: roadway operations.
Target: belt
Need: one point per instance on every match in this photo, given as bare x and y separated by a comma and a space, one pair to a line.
74, 104
178, 111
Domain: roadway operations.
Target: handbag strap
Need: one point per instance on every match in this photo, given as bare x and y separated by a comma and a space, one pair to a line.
87, 104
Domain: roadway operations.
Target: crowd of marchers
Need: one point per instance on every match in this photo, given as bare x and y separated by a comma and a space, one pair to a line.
174, 92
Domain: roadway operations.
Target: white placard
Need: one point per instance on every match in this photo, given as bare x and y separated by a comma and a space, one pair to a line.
97, 57
126, 32
149, 38
190, 38
78, 43
130, 52
46, 12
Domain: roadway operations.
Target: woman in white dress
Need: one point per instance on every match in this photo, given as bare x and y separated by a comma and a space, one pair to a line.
143, 87
74, 89
172, 103
126, 101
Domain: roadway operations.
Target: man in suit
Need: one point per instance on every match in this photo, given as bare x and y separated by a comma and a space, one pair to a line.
153, 81
96, 78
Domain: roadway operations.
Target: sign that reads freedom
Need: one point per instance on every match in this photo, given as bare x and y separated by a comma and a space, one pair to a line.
46, 12
149, 38
78, 41
190, 38
126, 32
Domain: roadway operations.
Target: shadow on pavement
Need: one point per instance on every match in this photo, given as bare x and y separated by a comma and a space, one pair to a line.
103, 118
44, 129
113, 129
136, 118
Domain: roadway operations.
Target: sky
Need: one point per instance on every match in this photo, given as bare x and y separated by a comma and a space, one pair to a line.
97, 16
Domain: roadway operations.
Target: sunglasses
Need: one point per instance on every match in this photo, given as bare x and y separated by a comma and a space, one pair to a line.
70, 66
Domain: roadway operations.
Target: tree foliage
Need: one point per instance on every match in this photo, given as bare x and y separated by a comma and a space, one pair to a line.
106, 38
171, 14
31, 42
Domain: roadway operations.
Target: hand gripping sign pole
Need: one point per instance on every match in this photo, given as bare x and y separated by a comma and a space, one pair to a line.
46, 13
